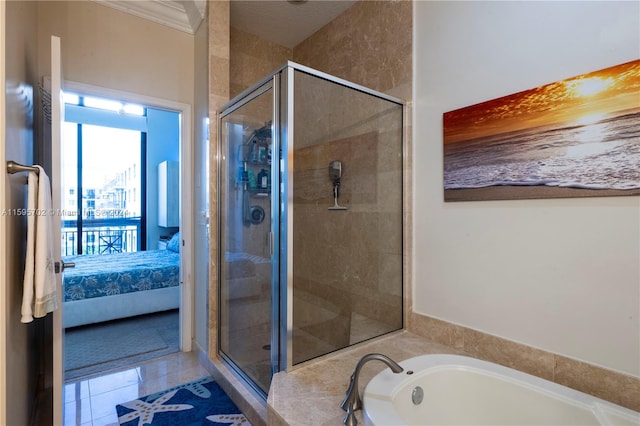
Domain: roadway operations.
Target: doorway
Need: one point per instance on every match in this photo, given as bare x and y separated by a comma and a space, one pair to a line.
125, 286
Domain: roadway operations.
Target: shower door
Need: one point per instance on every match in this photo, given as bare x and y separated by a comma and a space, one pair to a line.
344, 215
247, 227
311, 221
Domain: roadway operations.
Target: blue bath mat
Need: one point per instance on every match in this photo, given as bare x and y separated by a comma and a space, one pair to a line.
201, 402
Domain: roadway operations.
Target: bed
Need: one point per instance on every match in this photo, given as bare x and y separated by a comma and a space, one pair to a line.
120, 285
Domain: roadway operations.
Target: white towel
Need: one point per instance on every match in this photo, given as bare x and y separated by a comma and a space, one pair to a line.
29, 266
39, 293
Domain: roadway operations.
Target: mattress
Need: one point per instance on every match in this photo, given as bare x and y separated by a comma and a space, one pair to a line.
120, 273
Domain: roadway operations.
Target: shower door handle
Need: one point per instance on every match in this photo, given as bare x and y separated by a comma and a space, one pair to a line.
270, 243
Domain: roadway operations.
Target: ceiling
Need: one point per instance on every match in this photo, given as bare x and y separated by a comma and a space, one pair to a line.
281, 21
183, 15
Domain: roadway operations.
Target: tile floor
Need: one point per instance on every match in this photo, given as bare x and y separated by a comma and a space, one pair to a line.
92, 401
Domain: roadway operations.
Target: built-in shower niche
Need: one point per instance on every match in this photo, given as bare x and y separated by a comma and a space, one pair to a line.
325, 263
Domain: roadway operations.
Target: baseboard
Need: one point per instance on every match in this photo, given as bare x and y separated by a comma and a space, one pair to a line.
619, 388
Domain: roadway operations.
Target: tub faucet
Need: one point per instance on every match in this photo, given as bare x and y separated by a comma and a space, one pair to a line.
352, 401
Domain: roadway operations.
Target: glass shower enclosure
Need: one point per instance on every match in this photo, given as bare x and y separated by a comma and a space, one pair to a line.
310, 221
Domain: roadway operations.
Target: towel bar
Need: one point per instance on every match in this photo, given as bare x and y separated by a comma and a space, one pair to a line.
13, 167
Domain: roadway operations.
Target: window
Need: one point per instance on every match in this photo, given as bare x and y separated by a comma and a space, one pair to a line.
100, 149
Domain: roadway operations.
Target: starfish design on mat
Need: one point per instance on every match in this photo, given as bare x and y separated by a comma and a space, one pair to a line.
195, 388
234, 419
198, 389
145, 410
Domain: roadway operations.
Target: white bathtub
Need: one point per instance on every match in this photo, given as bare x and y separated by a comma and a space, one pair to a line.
460, 390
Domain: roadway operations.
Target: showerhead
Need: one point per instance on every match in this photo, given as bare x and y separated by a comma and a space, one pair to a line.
335, 171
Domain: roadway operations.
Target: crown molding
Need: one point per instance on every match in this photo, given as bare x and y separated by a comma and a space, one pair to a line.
182, 15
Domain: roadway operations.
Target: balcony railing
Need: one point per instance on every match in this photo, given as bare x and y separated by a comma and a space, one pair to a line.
102, 236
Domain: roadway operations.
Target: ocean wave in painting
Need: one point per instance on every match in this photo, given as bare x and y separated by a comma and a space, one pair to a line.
595, 153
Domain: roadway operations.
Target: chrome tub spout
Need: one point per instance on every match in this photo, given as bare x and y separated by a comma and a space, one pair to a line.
352, 401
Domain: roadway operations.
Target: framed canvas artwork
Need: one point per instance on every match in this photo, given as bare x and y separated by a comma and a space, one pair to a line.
578, 137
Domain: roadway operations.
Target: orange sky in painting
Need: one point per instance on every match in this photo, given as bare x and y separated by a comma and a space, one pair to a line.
582, 99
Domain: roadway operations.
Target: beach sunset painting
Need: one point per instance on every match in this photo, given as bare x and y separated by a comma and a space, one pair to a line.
578, 137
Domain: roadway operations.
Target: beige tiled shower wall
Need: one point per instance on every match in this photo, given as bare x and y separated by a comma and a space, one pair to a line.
219, 83
369, 44
347, 264
252, 59
219, 56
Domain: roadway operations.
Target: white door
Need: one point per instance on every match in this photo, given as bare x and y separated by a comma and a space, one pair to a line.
57, 118
3, 266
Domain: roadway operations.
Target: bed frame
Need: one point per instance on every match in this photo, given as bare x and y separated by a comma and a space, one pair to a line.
107, 308
113, 286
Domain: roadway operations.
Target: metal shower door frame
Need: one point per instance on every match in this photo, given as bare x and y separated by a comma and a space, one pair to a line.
281, 81
243, 99
287, 161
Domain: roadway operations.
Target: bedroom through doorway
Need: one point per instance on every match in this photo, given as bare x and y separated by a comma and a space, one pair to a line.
121, 230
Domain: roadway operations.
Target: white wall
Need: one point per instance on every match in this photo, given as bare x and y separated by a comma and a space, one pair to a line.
562, 275
114, 50
201, 187
163, 144
107, 48
22, 354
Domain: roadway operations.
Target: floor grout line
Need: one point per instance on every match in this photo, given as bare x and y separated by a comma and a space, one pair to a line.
176, 366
